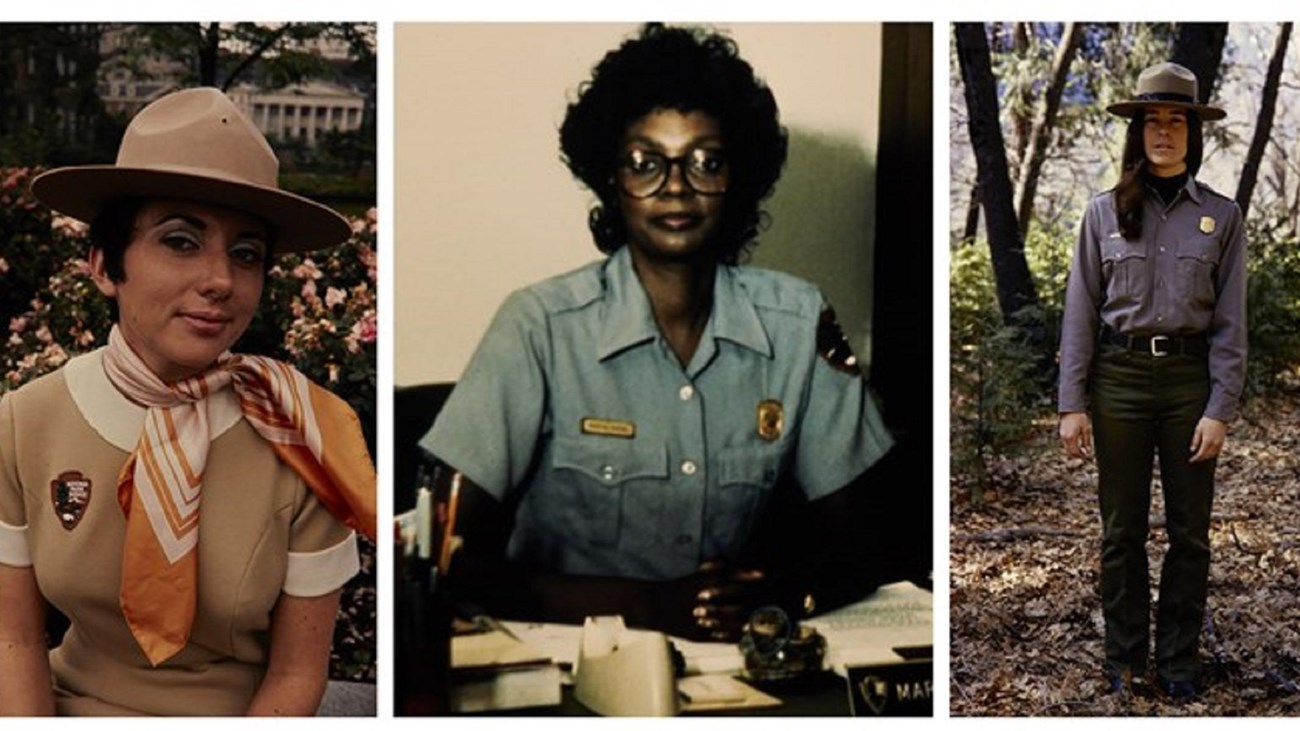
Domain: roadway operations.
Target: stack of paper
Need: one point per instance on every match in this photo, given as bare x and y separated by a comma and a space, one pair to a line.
895, 615
494, 671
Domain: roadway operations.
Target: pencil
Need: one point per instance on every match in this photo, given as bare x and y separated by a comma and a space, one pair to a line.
449, 535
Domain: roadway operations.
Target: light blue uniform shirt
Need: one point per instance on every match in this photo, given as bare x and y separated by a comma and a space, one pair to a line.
624, 463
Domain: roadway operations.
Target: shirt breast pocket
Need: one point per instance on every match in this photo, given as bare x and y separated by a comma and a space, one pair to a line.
746, 476
589, 478
1198, 262
1124, 270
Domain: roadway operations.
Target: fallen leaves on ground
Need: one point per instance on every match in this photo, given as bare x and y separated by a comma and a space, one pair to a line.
1025, 570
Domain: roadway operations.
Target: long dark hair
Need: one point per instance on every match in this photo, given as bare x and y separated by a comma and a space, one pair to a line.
1131, 189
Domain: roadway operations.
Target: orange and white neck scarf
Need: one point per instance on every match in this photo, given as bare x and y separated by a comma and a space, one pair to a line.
159, 487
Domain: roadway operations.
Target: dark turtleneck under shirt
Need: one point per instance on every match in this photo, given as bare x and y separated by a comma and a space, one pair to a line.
1167, 188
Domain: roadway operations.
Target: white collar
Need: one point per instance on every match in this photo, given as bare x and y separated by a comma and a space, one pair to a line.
119, 420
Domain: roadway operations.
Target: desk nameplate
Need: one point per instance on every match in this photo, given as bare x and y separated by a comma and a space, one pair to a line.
892, 689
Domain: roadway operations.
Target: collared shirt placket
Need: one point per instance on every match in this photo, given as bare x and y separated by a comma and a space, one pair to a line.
688, 456
1162, 262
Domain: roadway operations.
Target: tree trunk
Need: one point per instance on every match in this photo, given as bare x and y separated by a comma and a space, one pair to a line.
1044, 123
1010, 270
1199, 47
209, 48
1293, 212
1020, 121
972, 216
1264, 123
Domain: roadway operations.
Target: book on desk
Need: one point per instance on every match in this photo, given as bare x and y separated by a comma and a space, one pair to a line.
493, 670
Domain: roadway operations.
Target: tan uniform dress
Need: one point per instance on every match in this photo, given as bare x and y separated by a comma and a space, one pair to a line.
262, 533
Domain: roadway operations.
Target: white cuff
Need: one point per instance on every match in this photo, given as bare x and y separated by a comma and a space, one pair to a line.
319, 572
13, 545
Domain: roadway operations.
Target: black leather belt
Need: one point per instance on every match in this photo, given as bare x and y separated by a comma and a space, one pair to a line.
1159, 346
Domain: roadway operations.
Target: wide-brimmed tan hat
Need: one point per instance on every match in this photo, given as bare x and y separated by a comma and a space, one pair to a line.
1166, 84
196, 145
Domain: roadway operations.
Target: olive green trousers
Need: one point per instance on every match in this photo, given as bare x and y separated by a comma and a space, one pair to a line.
1145, 405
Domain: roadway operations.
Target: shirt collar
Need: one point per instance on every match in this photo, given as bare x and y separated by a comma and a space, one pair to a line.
627, 320
1193, 191
114, 417
734, 317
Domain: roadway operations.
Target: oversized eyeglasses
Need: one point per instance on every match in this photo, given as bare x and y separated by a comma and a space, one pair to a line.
643, 173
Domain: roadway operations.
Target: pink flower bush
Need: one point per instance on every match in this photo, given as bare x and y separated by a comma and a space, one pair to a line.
335, 296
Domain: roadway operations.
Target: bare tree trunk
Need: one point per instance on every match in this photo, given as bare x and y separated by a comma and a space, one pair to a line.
209, 50
1020, 121
1010, 270
1264, 123
972, 216
1293, 213
1199, 47
1032, 164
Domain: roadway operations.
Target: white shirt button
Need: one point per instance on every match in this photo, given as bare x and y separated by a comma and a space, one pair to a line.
1162, 249
688, 467
608, 472
686, 392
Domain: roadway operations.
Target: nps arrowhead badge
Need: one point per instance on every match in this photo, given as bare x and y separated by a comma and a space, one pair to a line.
70, 494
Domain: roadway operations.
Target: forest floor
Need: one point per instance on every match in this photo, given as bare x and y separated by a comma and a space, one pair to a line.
1025, 565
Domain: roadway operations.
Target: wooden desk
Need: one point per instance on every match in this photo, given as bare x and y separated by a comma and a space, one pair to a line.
824, 695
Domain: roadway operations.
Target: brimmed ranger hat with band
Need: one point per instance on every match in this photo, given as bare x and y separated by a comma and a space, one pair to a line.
1170, 85
196, 145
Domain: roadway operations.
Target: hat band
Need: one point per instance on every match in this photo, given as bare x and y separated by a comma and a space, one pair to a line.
1166, 96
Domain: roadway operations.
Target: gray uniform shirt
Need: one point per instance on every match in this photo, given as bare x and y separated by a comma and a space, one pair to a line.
1186, 275
624, 462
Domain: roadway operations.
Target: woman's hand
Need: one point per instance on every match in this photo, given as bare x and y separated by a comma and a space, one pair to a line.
715, 602
1208, 439
1076, 434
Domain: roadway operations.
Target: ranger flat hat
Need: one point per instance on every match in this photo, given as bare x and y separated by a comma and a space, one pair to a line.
196, 145
1166, 84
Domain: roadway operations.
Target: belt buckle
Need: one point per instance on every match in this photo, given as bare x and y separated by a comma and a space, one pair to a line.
1155, 352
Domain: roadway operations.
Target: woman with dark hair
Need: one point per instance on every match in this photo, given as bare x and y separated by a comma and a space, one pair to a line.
621, 428
1153, 354
190, 510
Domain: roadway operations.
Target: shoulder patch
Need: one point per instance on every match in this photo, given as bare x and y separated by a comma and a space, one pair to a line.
832, 346
1213, 192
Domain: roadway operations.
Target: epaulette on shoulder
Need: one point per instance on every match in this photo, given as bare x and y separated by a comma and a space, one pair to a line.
1206, 188
775, 290
570, 290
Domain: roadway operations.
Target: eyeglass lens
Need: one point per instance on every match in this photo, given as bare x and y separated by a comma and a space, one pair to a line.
643, 173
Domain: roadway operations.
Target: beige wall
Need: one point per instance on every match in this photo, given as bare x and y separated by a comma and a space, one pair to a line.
484, 205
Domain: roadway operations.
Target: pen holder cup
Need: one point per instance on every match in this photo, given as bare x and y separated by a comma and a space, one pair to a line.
423, 640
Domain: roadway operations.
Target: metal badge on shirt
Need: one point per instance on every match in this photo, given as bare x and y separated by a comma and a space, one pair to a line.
608, 427
70, 494
832, 346
1207, 225
770, 419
